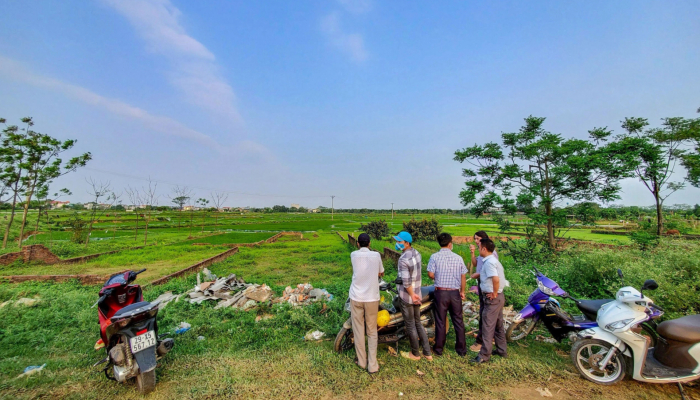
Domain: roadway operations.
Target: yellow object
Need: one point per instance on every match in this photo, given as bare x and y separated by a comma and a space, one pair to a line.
383, 318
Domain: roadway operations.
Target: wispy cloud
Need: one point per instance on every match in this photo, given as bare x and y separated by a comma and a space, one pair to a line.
18, 72
351, 44
194, 69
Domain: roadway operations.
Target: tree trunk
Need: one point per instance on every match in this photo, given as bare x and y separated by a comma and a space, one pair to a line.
550, 226
145, 236
92, 220
136, 236
24, 217
12, 217
179, 219
659, 214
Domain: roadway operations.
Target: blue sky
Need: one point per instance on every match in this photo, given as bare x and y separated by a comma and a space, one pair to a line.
283, 102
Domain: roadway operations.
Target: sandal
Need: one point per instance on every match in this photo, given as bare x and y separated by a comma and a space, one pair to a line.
429, 358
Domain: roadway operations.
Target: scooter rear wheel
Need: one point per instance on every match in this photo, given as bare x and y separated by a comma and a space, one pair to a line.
520, 330
344, 340
146, 381
586, 353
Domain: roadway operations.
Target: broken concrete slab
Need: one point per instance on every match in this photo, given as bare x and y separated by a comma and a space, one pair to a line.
261, 293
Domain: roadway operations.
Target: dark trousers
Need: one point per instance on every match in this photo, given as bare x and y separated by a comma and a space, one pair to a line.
414, 329
493, 327
449, 300
479, 338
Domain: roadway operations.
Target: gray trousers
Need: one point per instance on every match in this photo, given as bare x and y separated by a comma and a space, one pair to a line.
364, 316
492, 327
414, 329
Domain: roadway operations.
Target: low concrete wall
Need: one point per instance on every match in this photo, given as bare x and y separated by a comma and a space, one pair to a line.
35, 252
84, 279
80, 260
197, 267
341, 237
390, 254
352, 241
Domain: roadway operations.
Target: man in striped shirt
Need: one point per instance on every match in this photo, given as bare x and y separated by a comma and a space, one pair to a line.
449, 272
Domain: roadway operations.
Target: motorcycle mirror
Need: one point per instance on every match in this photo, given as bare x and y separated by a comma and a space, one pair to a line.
398, 281
650, 284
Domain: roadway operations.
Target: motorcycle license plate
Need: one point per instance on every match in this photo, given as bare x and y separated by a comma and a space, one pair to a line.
142, 342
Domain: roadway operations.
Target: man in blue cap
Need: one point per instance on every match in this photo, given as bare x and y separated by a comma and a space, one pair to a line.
410, 295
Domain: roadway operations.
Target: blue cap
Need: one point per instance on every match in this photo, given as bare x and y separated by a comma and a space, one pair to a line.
404, 236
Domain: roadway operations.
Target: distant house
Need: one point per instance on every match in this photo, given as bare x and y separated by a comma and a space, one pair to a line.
225, 209
314, 210
190, 208
55, 204
295, 206
99, 206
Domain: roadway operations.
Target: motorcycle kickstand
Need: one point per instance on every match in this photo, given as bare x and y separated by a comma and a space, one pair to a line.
681, 391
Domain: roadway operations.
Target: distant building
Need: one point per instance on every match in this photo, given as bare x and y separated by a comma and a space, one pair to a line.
295, 206
190, 208
314, 210
99, 206
55, 204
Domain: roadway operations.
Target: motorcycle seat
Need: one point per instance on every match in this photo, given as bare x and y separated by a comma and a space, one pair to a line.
130, 307
591, 307
685, 329
427, 292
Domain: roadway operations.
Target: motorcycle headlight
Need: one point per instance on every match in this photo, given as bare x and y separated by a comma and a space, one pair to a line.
618, 324
544, 289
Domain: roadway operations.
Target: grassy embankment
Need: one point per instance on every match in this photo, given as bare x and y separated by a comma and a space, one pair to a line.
243, 358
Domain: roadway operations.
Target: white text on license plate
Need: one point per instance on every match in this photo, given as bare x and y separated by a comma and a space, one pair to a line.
142, 342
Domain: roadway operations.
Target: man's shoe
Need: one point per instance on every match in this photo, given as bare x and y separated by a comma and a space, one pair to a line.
478, 360
435, 353
475, 347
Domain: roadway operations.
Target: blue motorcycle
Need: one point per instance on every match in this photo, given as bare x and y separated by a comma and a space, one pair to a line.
542, 307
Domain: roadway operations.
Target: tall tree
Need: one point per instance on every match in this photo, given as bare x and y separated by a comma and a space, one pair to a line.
181, 195
150, 200
12, 156
657, 152
218, 199
691, 160
42, 164
534, 169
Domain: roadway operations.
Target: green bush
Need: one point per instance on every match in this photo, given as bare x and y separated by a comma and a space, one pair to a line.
376, 229
425, 229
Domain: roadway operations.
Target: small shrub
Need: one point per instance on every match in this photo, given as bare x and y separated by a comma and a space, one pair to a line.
376, 229
79, 229
425, 229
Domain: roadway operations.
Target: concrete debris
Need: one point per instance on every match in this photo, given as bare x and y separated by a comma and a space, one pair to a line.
208, 275
263, 317
26, 302
303, 294
166, 298
544, 392
258, 293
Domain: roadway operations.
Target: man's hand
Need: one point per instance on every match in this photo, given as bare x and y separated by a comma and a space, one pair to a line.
475, 276
462, 295
381, 274
472, 248
416, 298
492, 295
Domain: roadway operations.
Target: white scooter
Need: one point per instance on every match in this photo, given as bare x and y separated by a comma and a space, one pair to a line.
603, 353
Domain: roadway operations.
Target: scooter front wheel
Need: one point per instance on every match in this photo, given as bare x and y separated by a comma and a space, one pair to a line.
588, 353
520, 330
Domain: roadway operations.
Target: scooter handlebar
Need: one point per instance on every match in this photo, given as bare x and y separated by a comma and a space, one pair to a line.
139, 271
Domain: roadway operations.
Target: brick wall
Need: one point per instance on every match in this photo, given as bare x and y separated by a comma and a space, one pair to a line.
197, 267
390, 254
352, 241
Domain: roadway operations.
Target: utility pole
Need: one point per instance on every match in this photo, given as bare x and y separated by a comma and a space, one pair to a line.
332, 207
392, 210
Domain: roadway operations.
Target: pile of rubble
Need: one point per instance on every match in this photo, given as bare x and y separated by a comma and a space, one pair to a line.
232, 291
302, 295
470, 310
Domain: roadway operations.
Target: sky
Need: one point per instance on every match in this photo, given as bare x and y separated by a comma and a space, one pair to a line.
282, 102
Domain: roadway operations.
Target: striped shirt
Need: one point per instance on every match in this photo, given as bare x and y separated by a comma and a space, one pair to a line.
448, 268
366, 267
410, 273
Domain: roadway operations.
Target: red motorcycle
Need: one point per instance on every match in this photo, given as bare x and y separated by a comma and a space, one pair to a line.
129, 332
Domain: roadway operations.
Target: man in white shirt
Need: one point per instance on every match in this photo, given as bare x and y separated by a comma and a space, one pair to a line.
367, 268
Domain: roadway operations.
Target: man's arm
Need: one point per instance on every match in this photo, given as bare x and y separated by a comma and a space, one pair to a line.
463, 286
496, 284
431, 268
381, 267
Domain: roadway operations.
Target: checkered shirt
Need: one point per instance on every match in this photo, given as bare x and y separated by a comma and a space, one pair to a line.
409, 271
448, 268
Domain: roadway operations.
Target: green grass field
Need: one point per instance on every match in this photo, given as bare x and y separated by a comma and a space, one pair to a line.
241, 358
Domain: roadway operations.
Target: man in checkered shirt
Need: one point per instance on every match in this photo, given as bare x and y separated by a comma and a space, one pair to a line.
449, 272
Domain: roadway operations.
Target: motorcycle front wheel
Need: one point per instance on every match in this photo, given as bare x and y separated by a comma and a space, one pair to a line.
344, 340
520, 330
587, 353
146, 381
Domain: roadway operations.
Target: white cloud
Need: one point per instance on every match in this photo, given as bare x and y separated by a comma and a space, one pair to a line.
350, 43
165, 125
194, 69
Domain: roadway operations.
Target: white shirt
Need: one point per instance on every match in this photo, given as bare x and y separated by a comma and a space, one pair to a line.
366, 267
492, 267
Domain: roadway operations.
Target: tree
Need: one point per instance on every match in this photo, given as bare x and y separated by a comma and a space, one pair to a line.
42, 164
181, 195
150, 200
218, 199
534, 169
691, 160
12, 155
97, 191
656, 152
202, 202
376, 229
